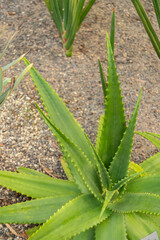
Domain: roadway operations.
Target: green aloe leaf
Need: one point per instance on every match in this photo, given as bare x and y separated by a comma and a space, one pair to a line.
119, 166
66, 169
55, 14
85, 10
23, 73
13, 63
68, 16
76, 216
66, 10
134, 167
99, 132
32, 230
156, 219
151, 138
154, 134
36, 186
32, 172
108, 196
4, 96
126, 180
103, 80
103, 174
156, 4
137, 202
112, 228
114, 119
57, 112
34, 211
87, 235
112, 32
9, 41
152, 164
147, 25
90, 177
148, 184
77, 178
75, 22
139, 226
6, 81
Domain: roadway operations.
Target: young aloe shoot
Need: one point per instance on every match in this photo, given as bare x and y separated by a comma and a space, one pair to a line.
68, 16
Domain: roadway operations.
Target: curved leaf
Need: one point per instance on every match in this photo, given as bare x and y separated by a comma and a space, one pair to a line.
151, 138
148, 184
152, 164
137, 202
78, 159
139, 226
29, 171
57, 112
112, 228
156, 4
85, 10
119, 166
36, 186
34, 211
75, 217
12, 63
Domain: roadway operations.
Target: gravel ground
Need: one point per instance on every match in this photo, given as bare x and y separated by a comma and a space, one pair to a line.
24, 138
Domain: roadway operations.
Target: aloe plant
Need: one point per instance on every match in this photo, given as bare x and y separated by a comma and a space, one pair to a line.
13, 81
152, 137
106, 195
68, 15
147, 24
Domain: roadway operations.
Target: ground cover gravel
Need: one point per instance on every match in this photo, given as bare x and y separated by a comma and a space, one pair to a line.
24, 138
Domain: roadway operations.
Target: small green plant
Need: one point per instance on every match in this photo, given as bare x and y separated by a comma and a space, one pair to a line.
68, 15
13, 81
147, 24
106, 195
